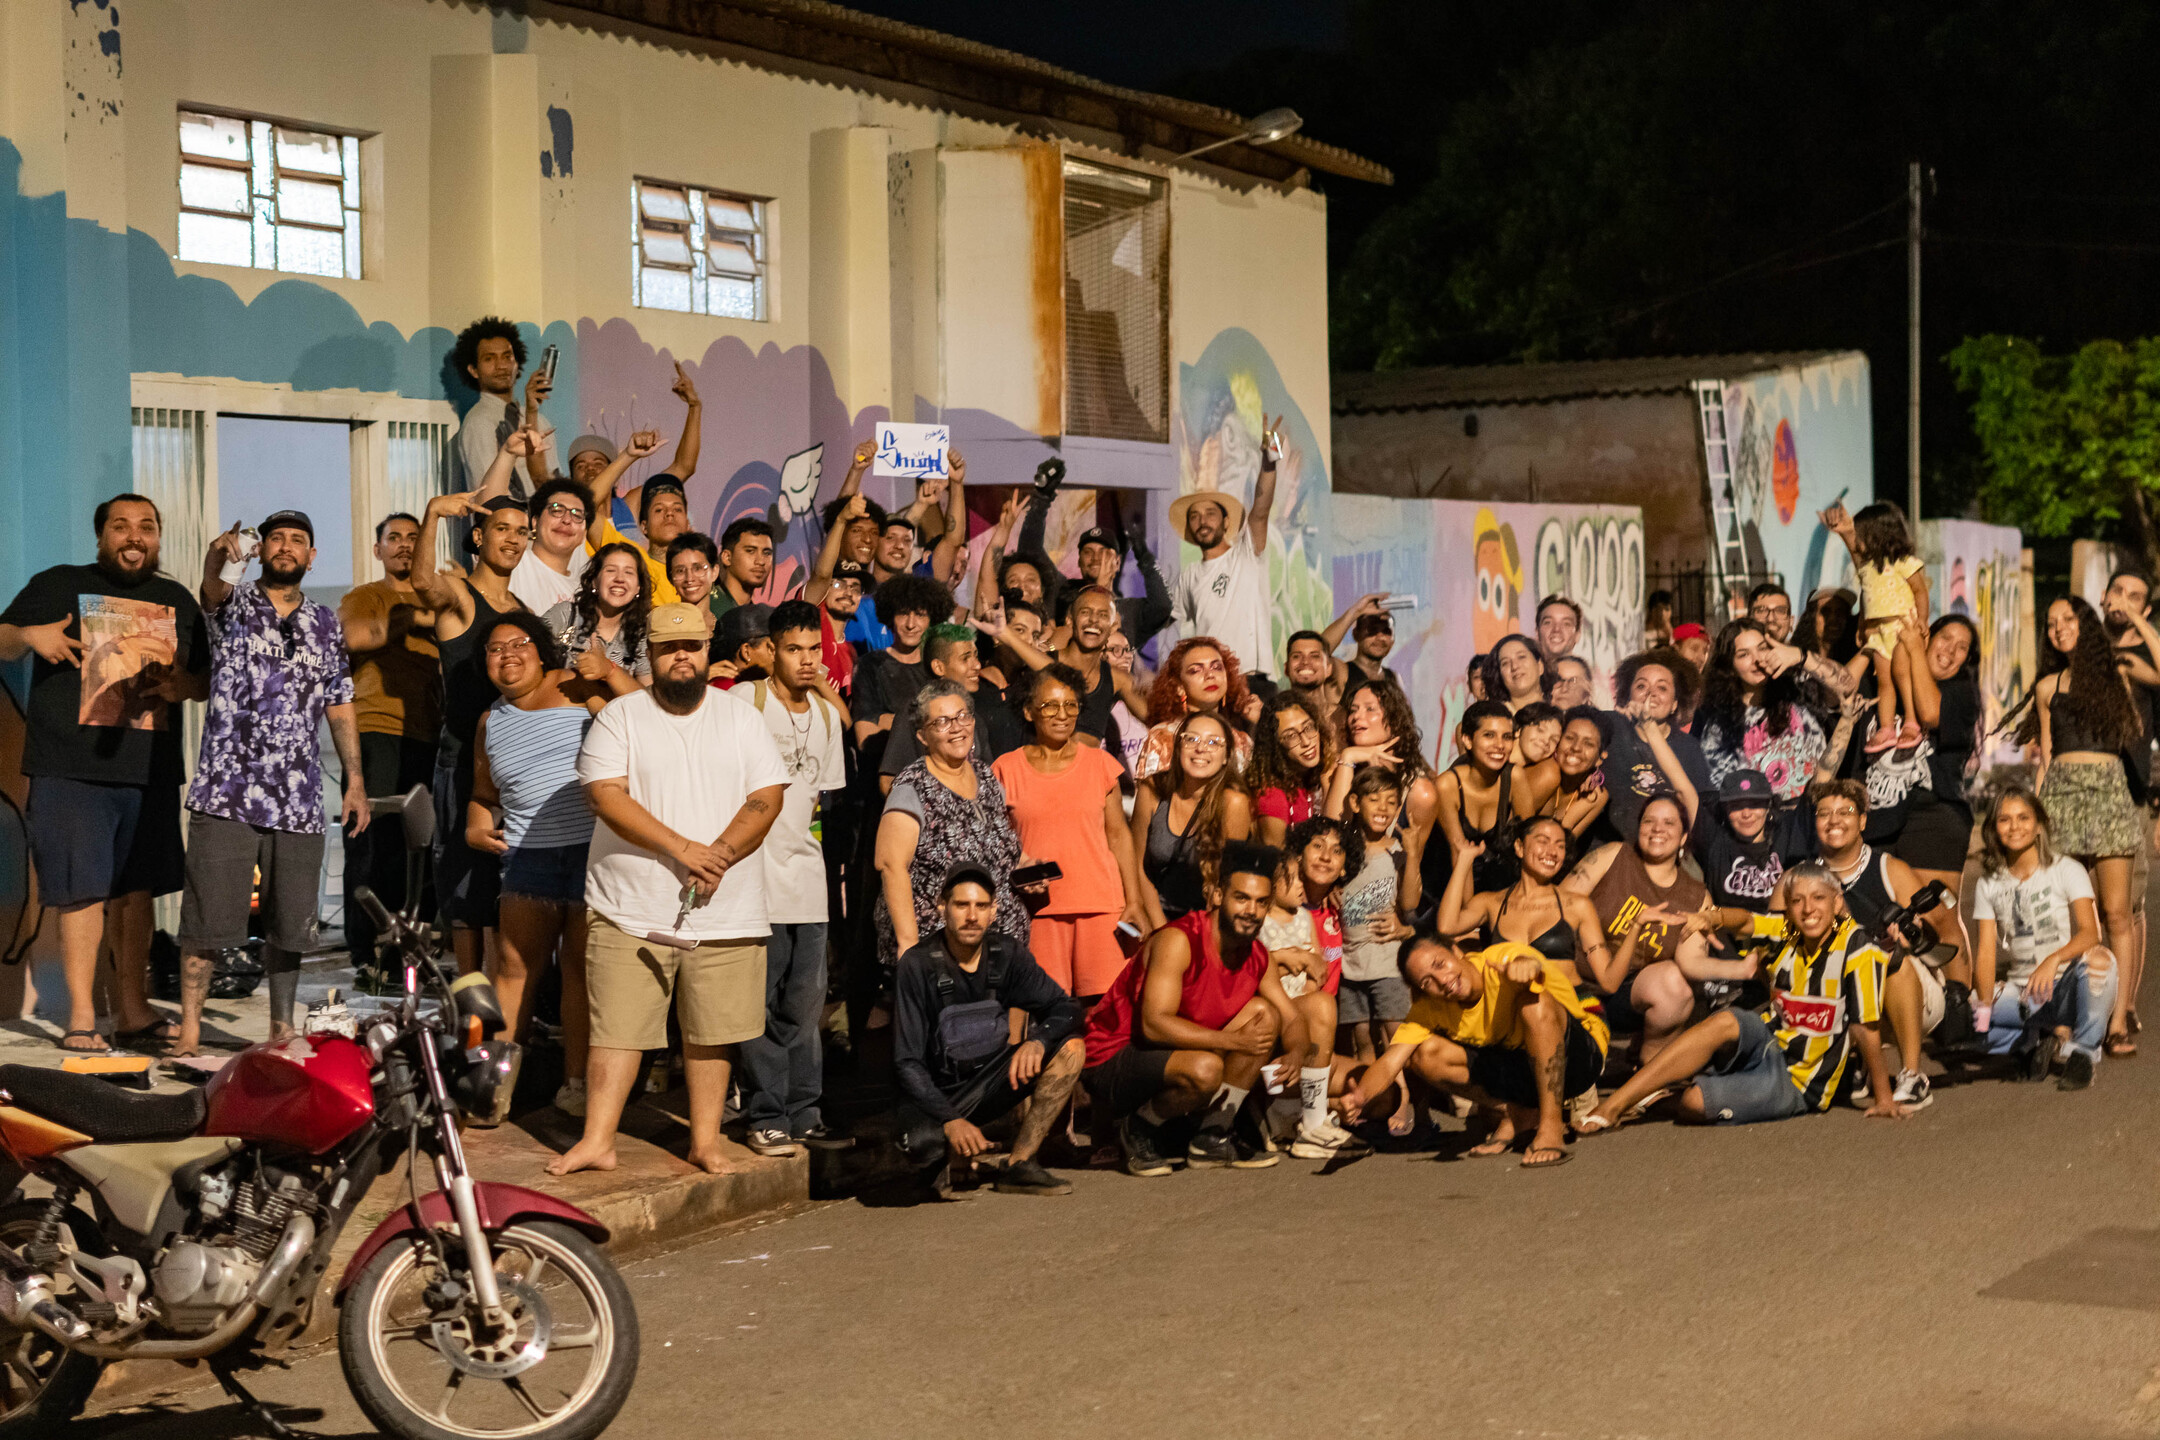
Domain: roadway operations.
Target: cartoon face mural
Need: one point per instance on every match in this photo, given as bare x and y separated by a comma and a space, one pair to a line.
1498, 564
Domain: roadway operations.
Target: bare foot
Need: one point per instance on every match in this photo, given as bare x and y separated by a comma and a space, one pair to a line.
188, 1041
585, 1155
712, 1162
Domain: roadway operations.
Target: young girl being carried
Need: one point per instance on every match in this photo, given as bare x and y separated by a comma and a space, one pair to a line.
1893, 594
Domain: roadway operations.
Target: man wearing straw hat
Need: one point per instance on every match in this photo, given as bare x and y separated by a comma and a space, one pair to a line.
685, 784
1225, 593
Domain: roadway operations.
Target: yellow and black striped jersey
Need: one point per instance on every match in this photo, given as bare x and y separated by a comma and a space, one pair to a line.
1817, 994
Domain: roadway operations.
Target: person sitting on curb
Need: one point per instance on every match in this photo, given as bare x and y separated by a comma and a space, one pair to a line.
1189, 1022
1504, 1028
979, 1030
1740, 1066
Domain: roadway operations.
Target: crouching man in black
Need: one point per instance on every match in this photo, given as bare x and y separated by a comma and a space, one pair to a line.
980, 1028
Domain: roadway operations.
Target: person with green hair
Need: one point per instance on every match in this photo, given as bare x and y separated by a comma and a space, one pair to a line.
950, 652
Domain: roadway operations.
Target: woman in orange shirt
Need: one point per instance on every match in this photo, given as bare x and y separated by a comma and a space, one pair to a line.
1065, 803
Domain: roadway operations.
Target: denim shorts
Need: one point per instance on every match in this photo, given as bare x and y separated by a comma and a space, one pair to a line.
1754, 1084
554, 875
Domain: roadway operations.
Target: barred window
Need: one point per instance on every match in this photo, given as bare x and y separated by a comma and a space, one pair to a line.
269, 196
1117, 303
697, 250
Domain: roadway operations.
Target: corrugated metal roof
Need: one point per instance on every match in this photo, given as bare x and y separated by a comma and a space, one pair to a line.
1457, 386
878, 49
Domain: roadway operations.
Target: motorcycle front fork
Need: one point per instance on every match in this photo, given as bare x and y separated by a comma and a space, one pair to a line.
452, 1173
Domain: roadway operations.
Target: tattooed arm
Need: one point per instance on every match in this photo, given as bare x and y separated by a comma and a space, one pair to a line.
747, 830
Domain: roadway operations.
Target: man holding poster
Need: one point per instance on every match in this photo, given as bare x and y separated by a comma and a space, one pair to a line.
116, 645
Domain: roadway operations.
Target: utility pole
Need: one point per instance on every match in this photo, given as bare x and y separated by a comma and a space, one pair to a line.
1913, 233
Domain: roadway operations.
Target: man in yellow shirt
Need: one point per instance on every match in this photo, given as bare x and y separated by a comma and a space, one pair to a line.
663, 510
1502, 1027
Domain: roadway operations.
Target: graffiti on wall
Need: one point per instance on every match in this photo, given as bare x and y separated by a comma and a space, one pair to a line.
1801, 438
1478, 572
1224, 403
1979, 571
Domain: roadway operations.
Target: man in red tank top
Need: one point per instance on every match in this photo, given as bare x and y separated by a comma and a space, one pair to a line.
1189, 1023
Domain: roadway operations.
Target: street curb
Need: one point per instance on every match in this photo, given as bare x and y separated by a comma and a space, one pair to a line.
652, 1200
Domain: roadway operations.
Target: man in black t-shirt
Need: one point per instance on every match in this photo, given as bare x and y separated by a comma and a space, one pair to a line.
950, 654
117, 645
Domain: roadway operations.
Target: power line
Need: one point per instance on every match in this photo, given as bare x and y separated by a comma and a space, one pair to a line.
2018, 243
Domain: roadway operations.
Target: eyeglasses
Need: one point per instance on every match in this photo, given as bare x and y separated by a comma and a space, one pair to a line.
509, 647
946, 724
1297, 735
1057, 707
557, 510
1201, 742
1836, 812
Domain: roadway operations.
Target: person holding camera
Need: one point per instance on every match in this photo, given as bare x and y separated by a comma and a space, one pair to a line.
980, 1029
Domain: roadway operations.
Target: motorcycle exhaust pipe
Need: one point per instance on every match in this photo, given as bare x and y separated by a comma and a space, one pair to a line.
27, 1301
292, 1248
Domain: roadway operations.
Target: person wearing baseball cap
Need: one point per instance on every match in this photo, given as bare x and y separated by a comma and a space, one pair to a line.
1102, 560
685, 785
743, 645
1693, 643
660, 503
278, 672
953, 1056
1225, 593
1743, 852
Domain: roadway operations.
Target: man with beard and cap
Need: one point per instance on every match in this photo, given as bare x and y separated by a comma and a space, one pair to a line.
466, 608
686, 784
1225, 593
256, 807
397, 700
116, 645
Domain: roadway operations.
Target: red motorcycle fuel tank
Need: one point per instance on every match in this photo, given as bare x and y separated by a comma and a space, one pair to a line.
306, 1091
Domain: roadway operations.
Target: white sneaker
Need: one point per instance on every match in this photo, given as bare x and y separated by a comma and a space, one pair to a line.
1312, 1144
571, 1099
1912, 1090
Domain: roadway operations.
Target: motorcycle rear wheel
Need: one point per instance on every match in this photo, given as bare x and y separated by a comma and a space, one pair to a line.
42, 1384
418, 1378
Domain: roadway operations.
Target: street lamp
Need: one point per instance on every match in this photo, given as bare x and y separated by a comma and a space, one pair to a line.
1276, 124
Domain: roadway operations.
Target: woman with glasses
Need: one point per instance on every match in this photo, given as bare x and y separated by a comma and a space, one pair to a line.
602, 631
1131, 729
1200, 677
1290, 763
1065, 805
946, 807
529, 808
1184, 816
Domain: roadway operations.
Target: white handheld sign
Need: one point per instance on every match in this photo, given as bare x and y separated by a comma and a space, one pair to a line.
915, 451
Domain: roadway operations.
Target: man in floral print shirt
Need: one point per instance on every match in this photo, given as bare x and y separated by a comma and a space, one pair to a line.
278, 669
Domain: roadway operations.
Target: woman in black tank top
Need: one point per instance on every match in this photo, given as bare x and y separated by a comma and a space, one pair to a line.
1482, 778
1533, 910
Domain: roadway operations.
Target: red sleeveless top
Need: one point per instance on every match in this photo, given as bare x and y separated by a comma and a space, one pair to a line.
1213, 993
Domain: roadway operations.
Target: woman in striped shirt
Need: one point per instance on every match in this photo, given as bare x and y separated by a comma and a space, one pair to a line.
528, 807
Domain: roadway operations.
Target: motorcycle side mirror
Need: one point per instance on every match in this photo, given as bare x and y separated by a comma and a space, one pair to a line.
418, 818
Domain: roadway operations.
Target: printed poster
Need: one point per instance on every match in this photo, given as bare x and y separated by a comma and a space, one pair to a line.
127, 647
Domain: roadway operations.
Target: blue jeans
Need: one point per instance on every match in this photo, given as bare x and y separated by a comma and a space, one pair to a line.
2016, 1024
783, 1070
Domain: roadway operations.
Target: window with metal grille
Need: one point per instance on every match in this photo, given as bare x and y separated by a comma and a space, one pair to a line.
1117, 303
698, 250
269, 196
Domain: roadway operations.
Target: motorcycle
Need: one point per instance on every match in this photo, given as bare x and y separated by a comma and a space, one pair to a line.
476, 1311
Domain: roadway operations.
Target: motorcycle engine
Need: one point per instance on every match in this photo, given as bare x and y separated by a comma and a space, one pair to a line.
198, 1281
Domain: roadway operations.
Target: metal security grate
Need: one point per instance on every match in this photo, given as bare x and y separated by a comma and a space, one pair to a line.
1117, 303
416, 463
169, 468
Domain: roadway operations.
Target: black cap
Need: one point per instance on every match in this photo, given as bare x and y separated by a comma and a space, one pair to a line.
289, 520
1745, 787
1099, 536
660, 484
964, 871
855, 570
1380, 624
742, 625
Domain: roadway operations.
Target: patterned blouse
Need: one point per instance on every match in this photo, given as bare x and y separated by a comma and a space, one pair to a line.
954, 829
1787, 761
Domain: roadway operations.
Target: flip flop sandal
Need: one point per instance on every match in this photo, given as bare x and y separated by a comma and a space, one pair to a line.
67, 1049
2121, 1047
1531, 1162
1486, 1149
1594, 1125
158, 1032
1642, 1106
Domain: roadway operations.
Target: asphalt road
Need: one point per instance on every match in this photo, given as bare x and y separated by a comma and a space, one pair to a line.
1987, 1270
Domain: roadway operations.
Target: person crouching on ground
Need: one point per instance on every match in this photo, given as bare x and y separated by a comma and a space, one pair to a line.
1790, 1058
1504, 1028
1187, 1025
980, 1029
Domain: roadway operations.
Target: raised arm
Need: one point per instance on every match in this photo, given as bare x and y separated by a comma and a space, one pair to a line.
684, 465
440, 591
828, 558
2136, 666
1155, 597
1340, 625
1460, 910
986, 595
1263, 496
945, 558
214, 591
1653, 734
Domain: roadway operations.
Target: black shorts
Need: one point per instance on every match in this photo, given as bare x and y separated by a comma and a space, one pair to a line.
1621, 1016
229, 863
1127, 1080
1936, 836
1504, 1072
93, 842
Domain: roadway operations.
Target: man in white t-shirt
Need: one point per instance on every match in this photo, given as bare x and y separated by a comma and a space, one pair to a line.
1225, 593
551, 570
783, 1069
675, 916
2055, 973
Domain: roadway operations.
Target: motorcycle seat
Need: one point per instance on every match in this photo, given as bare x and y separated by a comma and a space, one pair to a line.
104, 1112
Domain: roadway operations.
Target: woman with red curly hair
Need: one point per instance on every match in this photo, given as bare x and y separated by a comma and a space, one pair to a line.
1199, 676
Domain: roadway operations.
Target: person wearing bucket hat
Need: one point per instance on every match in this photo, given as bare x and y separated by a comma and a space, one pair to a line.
1743, 851
1225, 593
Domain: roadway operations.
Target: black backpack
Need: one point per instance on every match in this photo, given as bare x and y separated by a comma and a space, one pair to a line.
970, 1035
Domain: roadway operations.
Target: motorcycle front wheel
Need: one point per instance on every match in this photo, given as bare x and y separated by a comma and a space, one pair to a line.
423, 1366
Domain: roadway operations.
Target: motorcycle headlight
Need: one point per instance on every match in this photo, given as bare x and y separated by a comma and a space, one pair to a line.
486, 1081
